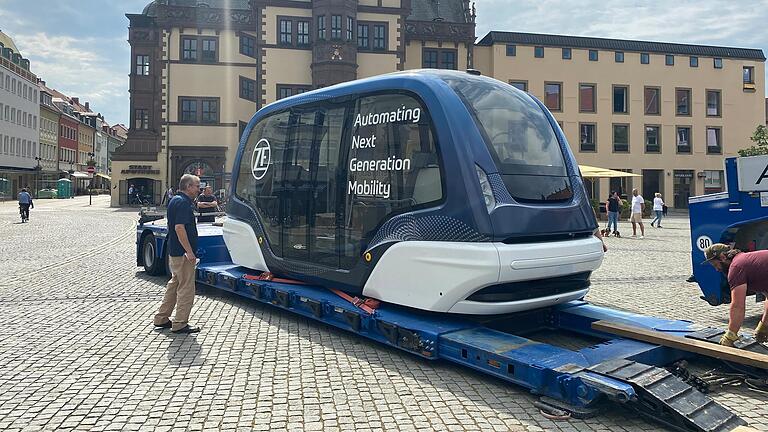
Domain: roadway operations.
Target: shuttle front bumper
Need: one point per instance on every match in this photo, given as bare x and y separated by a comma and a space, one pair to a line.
442, 276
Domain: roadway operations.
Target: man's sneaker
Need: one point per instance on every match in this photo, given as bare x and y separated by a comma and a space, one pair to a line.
634, 235
642, 237
187, 329
166, 324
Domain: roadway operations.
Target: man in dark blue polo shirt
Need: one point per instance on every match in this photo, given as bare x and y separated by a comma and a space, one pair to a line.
182, 244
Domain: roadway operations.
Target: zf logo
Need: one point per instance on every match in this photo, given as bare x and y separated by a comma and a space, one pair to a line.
262, 156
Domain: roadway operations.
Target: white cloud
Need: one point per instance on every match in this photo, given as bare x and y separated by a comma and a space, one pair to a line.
685, 21
82, 67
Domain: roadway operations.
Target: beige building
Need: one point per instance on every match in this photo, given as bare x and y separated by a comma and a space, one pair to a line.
670, 112
198, 73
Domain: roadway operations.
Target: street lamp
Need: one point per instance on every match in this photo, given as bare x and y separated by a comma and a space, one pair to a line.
37, 175
71, 171
91, 163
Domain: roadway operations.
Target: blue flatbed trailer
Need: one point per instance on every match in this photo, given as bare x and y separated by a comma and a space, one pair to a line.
621, 370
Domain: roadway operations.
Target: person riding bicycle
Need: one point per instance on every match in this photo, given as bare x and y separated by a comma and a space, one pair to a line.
25, 203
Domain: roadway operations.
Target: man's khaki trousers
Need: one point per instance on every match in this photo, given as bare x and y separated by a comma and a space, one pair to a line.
180, 293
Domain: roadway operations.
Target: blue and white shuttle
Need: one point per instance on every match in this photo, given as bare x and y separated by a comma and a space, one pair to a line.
438, 190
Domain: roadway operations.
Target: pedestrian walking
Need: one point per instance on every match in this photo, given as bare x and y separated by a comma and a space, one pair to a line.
658, 209
182, 244
131, 193
597, 233
207, 203
168, 196
613, 207
636, 217
745, 272
25, 203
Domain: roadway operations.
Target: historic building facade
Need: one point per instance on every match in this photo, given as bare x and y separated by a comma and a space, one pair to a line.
669, 112
49, 140
199, 73
19, 115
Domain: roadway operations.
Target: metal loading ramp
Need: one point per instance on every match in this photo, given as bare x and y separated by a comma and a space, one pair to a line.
663, 397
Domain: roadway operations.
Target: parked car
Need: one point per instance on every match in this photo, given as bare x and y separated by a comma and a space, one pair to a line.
47, 193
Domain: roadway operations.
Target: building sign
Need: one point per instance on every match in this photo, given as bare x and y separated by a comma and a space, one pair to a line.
684, 174
140, 169
753, 173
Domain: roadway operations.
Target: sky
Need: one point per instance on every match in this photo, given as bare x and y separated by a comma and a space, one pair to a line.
79, 46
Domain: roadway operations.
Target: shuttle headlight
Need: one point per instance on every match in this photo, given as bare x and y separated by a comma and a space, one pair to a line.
485, 186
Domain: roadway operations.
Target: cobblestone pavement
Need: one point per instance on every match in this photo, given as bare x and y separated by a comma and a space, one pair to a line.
79, 352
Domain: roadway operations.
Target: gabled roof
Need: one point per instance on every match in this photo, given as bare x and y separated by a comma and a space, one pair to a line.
8, 42
620, 45
431, 10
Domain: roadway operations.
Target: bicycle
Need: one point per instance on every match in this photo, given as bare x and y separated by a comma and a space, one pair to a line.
24, 212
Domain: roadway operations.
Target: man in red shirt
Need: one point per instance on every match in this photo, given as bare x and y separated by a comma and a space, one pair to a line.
747, 273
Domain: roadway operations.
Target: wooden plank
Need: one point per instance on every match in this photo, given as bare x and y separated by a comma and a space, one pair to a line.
684, 344
744, 429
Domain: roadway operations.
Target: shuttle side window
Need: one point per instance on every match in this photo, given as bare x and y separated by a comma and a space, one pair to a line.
322, 177
289, 174
261, 178
392, 166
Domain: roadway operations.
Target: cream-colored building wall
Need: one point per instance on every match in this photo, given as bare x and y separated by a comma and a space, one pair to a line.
392, 26
215, 136
371, 64
483, 59
741, 111
270, 14
413, 53
220, 81
286, 66
228, 47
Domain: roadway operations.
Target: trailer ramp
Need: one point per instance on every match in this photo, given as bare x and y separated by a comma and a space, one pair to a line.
664, 398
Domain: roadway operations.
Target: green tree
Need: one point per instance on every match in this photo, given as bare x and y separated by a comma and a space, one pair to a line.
760, 138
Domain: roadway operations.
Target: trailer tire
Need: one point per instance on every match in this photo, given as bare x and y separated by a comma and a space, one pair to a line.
152, 265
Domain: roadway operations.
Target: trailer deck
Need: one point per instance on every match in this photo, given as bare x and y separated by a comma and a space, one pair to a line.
616, 369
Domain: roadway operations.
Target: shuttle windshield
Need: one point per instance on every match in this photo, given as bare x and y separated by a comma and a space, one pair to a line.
519, 137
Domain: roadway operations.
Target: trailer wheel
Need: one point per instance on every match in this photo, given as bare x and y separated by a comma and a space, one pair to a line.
152, 265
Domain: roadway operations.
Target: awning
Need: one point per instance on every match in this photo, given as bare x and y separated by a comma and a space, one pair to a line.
80, 174
595, 172
104, 176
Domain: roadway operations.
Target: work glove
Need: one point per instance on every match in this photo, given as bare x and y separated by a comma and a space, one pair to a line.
761, 332
729, 338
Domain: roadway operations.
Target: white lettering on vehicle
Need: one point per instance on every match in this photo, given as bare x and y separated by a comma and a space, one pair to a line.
372, 188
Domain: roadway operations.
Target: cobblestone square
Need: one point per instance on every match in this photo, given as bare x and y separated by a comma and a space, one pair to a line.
79, 351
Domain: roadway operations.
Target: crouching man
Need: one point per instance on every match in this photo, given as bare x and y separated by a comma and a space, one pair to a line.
747, 273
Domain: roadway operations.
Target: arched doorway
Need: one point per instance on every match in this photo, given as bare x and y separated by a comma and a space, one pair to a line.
204, 171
